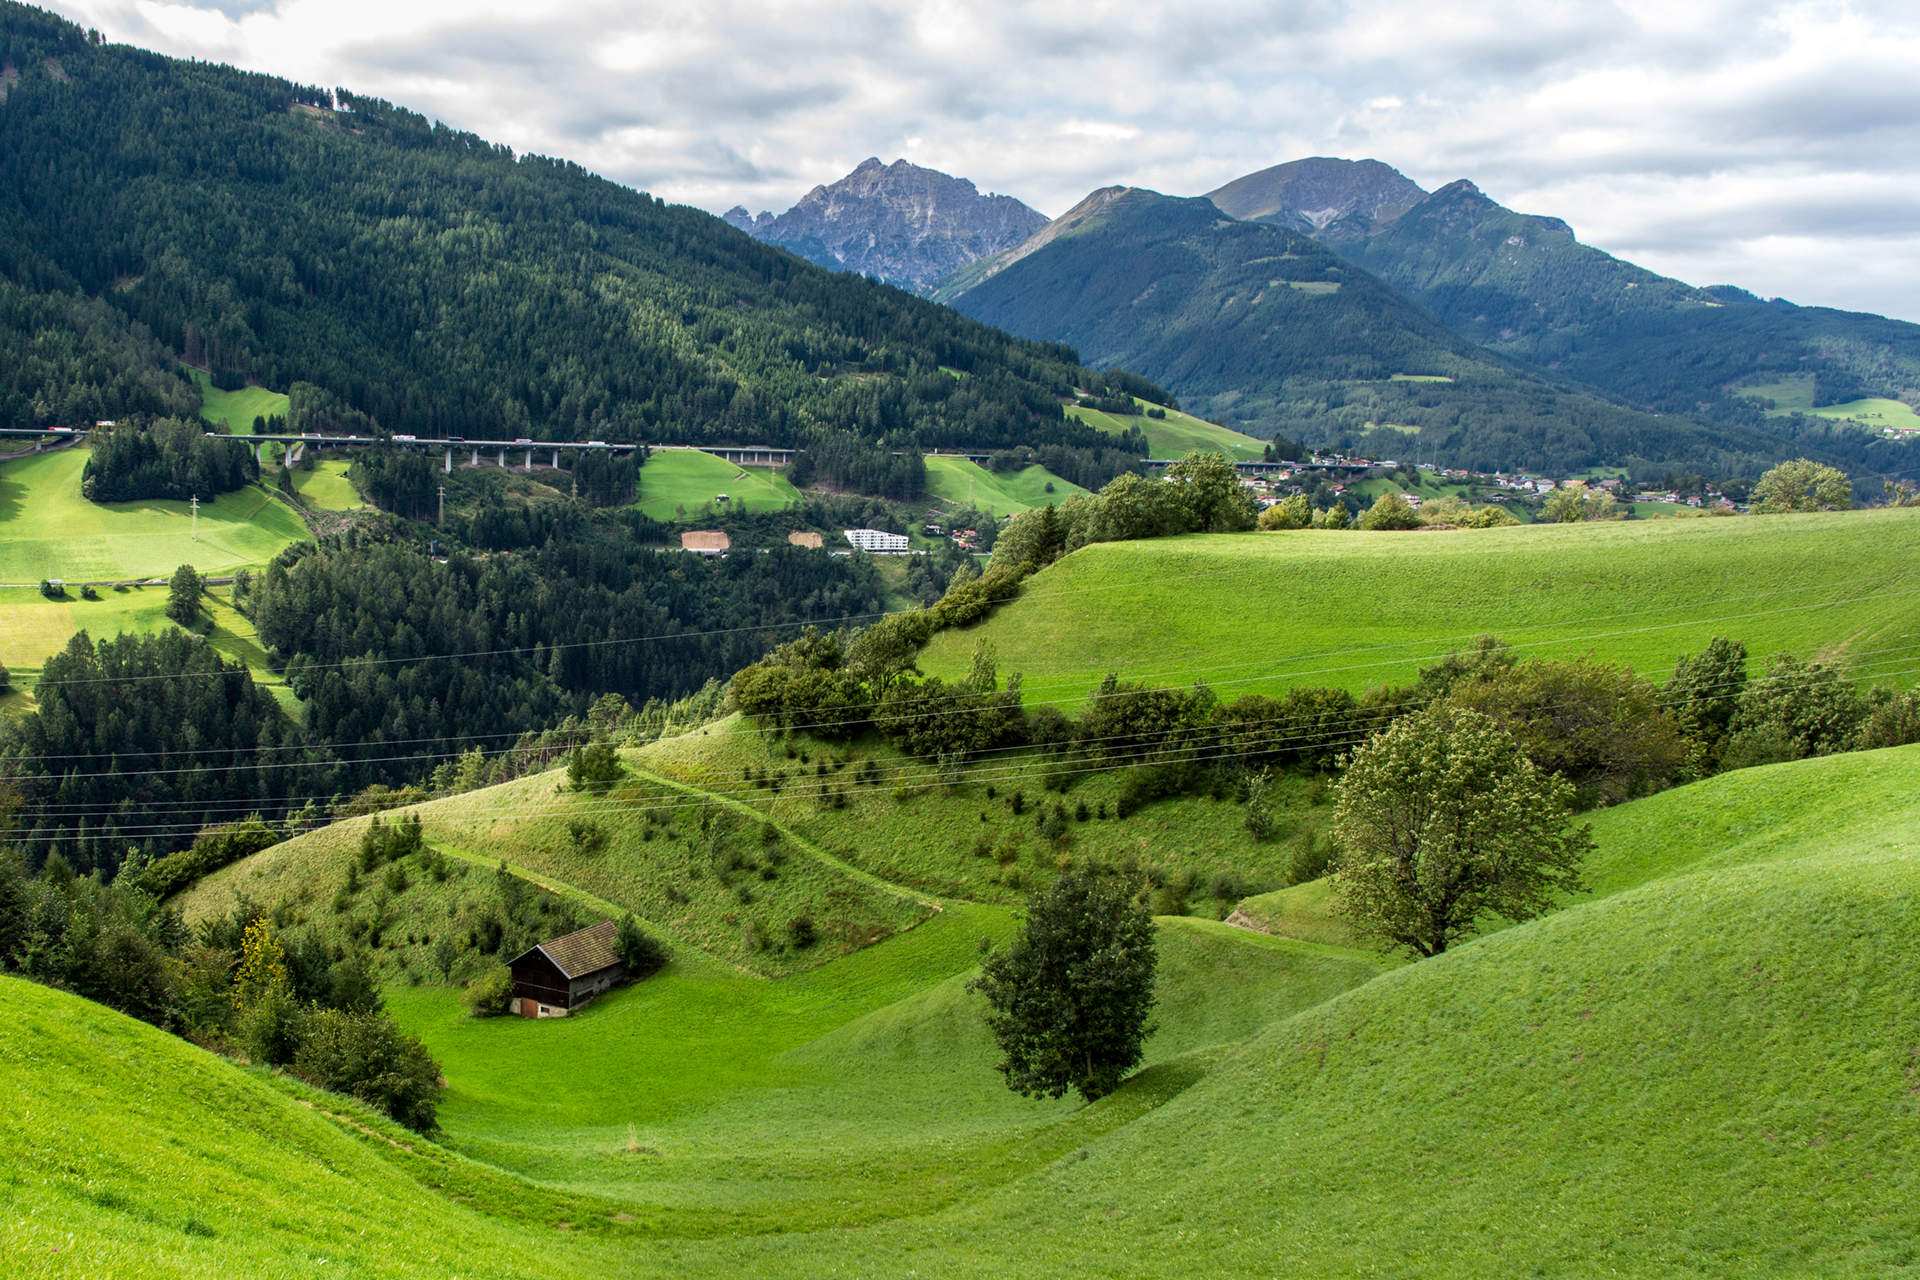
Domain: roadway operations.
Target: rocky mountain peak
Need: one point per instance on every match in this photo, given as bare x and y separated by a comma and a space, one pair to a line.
1322, 196
907, 225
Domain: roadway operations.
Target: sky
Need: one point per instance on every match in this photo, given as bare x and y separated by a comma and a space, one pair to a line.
1775, 146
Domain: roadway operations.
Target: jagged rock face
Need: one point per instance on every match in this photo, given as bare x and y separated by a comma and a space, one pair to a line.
1321, 196
906, 225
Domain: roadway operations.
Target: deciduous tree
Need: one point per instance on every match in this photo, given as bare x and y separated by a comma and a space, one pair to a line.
1802, 485
1443, 820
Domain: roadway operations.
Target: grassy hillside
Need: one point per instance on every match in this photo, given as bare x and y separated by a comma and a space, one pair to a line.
130, 1152
678, 483
971, 485
327, 487
694, 866
239, 408
47, 530
1260, 612
1683, 1077
1177, 434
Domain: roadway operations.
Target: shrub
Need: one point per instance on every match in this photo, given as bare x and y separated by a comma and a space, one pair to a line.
801, 932
1810, 705
212, 849
1295, 512
1261, 818
491, 992
1389, 512
1893, 722
368, 1056
640, 950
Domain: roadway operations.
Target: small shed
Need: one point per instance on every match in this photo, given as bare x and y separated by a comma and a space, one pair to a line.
711, 543
557, 977
801, 538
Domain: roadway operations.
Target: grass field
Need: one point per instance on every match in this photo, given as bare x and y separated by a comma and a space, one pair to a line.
1795, 395
1703, 1070
678, 483
1177, 434
47, 530
971, 485
327, 487
239, 408
1261, 612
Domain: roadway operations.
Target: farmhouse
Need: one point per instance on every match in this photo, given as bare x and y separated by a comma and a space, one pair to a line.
711, 543
557, 977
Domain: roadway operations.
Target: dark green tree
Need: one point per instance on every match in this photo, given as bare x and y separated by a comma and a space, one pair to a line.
1070, 998
594, 767
183, 595
1706, 689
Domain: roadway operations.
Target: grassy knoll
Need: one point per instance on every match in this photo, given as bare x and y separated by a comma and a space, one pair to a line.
1177, 434
966, 844
327, 487
698, 869
47, 530
239, 408
1261, 612
971, 485
672, 479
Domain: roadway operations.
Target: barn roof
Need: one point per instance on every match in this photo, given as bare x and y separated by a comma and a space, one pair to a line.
583, 951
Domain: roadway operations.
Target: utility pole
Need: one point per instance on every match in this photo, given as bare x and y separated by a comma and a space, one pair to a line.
194, 503
443, 507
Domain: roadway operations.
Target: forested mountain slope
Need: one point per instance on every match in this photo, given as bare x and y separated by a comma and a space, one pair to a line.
444, 286
1268, 330
1524, 285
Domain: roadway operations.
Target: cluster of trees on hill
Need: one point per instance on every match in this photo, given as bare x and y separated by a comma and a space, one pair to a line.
139, 742
163, 458
239, 984
67, 360
257, 234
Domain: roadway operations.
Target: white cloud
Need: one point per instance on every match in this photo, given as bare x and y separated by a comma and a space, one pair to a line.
1766, 143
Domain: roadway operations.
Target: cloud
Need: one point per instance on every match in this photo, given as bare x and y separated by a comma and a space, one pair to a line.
1766, 143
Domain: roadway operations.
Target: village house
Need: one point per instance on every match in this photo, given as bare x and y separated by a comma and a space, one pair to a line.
557, 977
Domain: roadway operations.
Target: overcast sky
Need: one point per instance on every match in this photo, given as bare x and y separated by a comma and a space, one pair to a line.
1770, 145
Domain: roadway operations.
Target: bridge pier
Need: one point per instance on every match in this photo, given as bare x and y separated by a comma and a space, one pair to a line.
529, 466
556, 459
503, 457
476, 455
448, 467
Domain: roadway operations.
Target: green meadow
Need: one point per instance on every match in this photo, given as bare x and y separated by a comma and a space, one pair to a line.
47, 530
239, 408
1795, 395
968, 484
680, 483
327, 488
1260, 612
1702, 1068
1177, 434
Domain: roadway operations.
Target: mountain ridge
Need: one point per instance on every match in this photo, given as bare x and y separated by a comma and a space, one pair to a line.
901, 223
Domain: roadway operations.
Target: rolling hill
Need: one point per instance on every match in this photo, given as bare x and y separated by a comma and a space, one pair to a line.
1260, 612
1685, 1074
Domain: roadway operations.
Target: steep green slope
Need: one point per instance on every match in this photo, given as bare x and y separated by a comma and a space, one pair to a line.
444, 286
1266, 330
1002, 493
130, 1152
1260, 612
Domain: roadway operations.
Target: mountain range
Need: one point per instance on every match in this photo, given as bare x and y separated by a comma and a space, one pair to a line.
1615, 336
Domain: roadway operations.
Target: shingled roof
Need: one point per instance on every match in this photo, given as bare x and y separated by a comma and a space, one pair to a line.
584, 951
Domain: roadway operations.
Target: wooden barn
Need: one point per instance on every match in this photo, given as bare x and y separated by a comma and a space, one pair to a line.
558, 977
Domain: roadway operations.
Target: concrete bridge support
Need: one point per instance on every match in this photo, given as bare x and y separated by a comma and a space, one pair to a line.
503, 457
476, 455
529, 466
448, 467
556, 459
